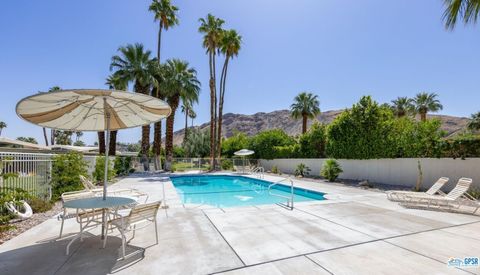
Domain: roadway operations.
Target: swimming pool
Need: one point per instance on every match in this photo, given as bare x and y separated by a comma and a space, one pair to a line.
229, 191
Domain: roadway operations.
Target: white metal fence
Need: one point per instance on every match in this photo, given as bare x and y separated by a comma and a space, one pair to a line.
31, 172
197, 164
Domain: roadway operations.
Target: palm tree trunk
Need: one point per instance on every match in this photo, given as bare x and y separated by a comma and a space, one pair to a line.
304, 124
423, 116
157, 144
212, 111
157, 127
173, 102
215, 112
185, 132
52, 137
112, 148
145, 148
223, 79
101, 143
44, 136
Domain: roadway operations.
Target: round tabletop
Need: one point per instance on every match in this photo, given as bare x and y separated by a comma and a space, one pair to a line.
98, 202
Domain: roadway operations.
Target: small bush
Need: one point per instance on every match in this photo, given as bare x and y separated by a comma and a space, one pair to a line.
122, 165
227, 164
302, 170
275, 169
66, 169
39, 205
99, 173
331, 169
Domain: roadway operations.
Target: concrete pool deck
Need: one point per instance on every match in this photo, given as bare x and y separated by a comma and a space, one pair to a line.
355, 231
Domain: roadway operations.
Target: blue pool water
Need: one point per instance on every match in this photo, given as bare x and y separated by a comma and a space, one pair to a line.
228, 191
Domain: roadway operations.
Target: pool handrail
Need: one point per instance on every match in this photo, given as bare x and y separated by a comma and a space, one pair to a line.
259, 171
289, 204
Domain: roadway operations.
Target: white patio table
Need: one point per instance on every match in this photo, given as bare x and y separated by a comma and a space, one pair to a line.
91, 208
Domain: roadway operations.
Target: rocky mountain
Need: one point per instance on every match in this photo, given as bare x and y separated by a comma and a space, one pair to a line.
252, 124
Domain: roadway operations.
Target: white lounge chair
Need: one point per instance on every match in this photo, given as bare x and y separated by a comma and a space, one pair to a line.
457, 200
141, 214
129, 192
400, 196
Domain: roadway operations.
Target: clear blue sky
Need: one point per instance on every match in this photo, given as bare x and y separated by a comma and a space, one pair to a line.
339, 50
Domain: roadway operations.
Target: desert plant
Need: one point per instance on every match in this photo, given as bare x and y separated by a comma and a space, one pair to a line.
38, 205
302, 170
331, 170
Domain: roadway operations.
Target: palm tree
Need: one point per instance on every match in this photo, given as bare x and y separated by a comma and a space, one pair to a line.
211, 27
466, 9
186, 109
182, 84
426, 102
114, 82
403, 106
3, 125
305, 106
166, 14
474, 123
230, 44
134, 64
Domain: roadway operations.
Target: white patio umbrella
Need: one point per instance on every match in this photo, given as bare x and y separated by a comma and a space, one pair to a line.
92, 110
243, 153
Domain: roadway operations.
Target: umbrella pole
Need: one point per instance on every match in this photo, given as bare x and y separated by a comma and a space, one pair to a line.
105, 175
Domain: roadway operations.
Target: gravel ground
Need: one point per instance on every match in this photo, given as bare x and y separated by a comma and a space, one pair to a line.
23, 225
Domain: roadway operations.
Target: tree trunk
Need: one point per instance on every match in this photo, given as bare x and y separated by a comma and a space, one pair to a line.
112, 148
423, 116
304, 124
145, 130
185, 132
52, 137
44, 136
101, 143
223, 79
212, 112
157, 127
157, 144
173, 102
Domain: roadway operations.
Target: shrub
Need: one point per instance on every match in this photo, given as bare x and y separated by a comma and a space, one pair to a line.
99, 172
264, 143
331, 170
14, 195
275, 169
361, 132
285, 152
122, 165
234, 143
39, 205
312, 143
66, 169
302, 170
227, 164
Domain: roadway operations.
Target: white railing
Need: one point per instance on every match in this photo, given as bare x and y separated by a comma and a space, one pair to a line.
259, 172
31, 172
289, 199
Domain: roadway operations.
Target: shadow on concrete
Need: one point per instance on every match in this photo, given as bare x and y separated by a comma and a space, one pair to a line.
87, 257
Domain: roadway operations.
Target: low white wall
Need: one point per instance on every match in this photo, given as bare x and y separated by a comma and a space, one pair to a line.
391, 171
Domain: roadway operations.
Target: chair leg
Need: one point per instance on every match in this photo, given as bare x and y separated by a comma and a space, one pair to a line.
156, 230
61, 228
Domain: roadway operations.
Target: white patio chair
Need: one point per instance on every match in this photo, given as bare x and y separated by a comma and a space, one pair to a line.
400, 196
68, 214
455, 201
141, 214
129, 192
